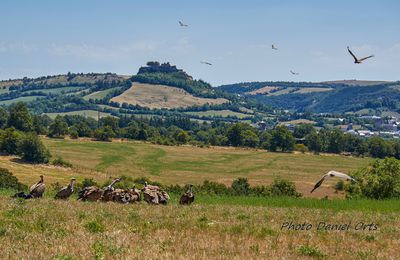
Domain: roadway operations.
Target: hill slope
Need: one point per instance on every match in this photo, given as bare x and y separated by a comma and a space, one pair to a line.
334, 97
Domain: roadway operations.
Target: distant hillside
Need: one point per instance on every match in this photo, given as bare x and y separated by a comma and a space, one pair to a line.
157, 90
161, 96
333, 96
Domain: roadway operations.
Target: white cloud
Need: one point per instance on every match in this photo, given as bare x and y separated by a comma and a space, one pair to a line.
9, 47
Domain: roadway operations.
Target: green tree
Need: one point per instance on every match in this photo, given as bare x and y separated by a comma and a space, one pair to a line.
32, 149
20, 118
250, 139
3, 117
182, 137
58, 128
104, 134
282, 139
9, 140
302, 130
379, 148
314, 142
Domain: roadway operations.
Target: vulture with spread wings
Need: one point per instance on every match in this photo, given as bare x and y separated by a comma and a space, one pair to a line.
331, 174
356, 60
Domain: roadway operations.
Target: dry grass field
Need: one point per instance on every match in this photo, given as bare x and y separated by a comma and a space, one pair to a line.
49, 229
159, 96
184, 164
214, 227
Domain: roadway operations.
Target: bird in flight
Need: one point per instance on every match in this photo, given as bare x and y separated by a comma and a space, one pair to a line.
274, 48
205, 62
182, 24
356, 60
294, 73
331, 174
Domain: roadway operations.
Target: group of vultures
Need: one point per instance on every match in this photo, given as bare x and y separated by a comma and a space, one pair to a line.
150, 193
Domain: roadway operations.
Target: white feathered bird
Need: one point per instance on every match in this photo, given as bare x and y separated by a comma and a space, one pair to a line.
331, 174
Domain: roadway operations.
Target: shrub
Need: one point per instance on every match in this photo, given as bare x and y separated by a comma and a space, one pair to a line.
379, 180
104, 134
32, 149
339, 185
9, 181
241, 187
88, 182
300, 148
61, 162
281, 187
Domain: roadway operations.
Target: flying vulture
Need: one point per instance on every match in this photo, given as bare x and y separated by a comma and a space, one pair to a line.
274, 48
205, 62
182, 24
333, 174
294, 73
356, 60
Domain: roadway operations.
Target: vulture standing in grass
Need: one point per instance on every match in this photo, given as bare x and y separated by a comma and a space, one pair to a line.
36, 191
188, 197
66, 191
356, 60
108, 191
331, 174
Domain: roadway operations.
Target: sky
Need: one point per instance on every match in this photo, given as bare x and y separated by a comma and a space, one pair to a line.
47, 37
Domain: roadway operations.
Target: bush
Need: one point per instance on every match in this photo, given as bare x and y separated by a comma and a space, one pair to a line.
379, 180
300, 148
9, 141
241, 187
9, 181
88, 182
61, 162
281, 187
32, 149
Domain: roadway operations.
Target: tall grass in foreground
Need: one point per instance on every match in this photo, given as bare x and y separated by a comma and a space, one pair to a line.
287, 202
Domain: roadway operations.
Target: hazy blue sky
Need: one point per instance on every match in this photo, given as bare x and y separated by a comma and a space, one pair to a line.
53, 37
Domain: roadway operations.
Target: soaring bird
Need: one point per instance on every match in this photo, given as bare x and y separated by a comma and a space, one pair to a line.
356, 60
205, 62
66, 191
182, 24
188, 197
274, 48
37, 190
294, 73
333, 174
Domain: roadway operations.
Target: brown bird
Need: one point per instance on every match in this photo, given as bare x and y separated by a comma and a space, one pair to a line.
37, 190
150, 187
126, 195
188, 197
91, 193
331, 174
182, 24
107, 194
66, 191
356, 60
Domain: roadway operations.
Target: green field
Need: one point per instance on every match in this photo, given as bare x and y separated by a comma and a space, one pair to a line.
20, 99
219, 113
186, 164
88, 113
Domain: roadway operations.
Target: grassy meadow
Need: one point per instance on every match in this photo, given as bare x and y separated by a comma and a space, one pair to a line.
222, 227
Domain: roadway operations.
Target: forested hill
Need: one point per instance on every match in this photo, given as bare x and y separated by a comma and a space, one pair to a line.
336, 96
